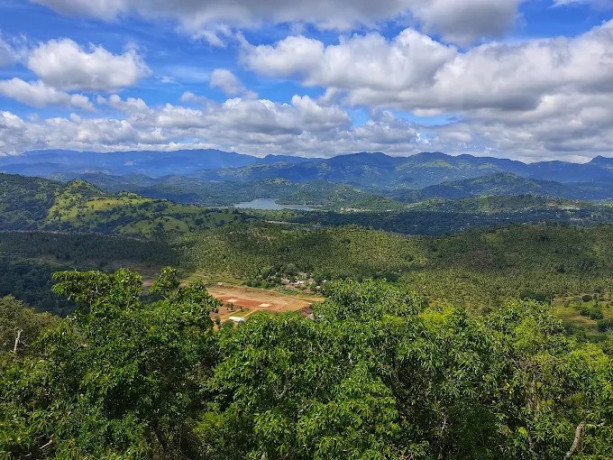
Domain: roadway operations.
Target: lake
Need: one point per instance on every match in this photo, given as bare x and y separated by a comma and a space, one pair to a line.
270, 204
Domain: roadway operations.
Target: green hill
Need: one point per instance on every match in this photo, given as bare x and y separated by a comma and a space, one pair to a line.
503, 184
25, 201
29, 204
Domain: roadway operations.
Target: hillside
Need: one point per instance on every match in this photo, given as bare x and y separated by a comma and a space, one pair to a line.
380, 171
375, 170
78, 206
25, 201
502, 184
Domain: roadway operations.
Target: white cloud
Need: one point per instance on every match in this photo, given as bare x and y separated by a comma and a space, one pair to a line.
37, 94
414, 72
237, 122
226, 81
465, 22
7, 54
570, 126
63, 64
599, 4
190, 98
369, 62
456, 20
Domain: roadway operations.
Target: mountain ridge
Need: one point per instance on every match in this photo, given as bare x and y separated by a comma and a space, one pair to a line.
369, 170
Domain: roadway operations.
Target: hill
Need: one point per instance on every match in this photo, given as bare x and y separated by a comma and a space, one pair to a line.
25, 201
503, 184
354, 182
380, 171
40, 204
375, 170
370, 171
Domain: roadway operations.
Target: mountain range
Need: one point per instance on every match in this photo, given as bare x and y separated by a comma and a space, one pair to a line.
46, 163
193, 176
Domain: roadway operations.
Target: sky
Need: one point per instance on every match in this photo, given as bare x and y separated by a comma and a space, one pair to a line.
530, 80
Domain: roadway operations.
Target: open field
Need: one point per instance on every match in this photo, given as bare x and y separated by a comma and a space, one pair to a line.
246, 301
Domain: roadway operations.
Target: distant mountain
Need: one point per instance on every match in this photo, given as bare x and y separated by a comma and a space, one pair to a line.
600, 171
374, 172
505, 184
149, 163
602, 162
380, 171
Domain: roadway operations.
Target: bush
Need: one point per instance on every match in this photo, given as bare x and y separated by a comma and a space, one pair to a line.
596, 314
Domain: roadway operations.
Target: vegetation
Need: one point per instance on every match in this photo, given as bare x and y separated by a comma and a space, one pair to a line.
375, 374
24, 201
29, 259
487, 343
82, 207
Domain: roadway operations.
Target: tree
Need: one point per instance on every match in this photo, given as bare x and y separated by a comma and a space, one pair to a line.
117, 378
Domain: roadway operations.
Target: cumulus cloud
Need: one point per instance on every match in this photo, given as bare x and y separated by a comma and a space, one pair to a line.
562, 126
414, 72
370, 62
465, 22
63, 64
37, 94
258, 126
460, 21
226, 81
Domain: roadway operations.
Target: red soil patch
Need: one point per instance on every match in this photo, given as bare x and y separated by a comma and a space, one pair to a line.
254, 300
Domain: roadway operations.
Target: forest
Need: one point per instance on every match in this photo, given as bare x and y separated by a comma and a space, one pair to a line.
374, 373
439, 335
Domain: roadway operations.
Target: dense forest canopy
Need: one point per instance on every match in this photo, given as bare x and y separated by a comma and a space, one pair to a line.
374, 373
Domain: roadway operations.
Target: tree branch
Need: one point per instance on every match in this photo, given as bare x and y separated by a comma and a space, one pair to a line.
17, 340
576, 441
49, 444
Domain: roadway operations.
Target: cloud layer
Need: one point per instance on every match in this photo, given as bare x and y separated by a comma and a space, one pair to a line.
438, 82
460, 22
414, 72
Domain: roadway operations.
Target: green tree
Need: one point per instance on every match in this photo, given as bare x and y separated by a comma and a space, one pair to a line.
117, 378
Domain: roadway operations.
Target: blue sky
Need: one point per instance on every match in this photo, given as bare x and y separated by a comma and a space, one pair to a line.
530, 80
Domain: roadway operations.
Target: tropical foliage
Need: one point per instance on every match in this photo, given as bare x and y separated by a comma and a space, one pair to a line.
374, 373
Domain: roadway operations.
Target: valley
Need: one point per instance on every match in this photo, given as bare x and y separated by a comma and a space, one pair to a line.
318, 276
293, 230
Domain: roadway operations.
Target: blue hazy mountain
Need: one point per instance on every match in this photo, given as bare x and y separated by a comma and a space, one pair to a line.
149, 163
365, 170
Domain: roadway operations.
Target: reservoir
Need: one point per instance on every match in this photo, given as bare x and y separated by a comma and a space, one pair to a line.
270, 204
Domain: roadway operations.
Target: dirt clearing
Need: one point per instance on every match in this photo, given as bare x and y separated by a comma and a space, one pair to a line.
244, 301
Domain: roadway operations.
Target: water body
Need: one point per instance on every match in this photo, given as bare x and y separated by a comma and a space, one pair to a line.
270, 204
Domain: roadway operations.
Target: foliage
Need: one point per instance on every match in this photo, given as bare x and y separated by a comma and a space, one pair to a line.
28, 260
82, 207
375, 374
20, 326
115, 379
24, 201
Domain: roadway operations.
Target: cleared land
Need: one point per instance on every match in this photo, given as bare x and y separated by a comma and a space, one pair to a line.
244, 301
